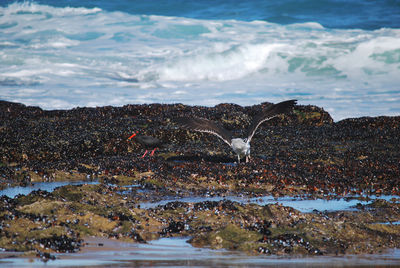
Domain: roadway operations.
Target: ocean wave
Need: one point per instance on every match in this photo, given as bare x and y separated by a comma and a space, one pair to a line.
234, 63
367, 15
32, 8
118, 58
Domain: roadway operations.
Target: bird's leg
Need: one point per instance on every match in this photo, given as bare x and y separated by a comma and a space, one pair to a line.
144, 154
152, 152
238, 159
247, 158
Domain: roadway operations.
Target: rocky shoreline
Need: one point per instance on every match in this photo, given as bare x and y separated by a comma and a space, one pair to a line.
302, 154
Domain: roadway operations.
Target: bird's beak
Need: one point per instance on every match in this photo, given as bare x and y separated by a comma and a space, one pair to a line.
133, 135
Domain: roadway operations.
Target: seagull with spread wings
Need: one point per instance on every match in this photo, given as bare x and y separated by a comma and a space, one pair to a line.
240, 146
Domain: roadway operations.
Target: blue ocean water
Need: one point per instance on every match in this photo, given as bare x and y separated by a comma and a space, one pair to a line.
341, 55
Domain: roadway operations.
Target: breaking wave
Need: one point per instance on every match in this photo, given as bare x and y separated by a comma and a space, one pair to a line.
89, 56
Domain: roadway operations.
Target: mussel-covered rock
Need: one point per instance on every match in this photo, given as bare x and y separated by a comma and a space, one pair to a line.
303, 153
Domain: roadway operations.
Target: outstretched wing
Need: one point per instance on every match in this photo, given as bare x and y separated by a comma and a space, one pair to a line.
205, 125
269, 113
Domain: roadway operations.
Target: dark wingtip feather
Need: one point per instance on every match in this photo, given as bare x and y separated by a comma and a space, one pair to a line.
189, 122
270, 112
283, 106
181, 121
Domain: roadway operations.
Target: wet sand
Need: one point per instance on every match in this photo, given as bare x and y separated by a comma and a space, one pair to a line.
176, 252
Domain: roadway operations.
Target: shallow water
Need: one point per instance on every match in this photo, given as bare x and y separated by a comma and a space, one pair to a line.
177, 252
301, 204
391, 223
45, 186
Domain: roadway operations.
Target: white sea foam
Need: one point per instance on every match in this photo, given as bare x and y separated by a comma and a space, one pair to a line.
68, 57
27, 7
